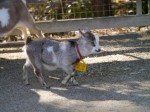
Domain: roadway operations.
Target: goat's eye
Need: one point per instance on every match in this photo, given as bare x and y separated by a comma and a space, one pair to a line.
93, 43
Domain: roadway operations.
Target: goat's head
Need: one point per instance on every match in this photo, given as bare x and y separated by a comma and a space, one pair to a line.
90, 42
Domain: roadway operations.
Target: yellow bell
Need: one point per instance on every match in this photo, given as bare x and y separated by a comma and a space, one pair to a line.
80, 66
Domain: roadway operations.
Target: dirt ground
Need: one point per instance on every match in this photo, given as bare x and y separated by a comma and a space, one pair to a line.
117, 80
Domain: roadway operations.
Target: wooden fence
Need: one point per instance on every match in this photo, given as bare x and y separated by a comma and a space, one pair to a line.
98, 22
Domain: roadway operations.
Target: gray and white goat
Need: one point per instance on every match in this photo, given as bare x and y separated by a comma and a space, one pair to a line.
52, 54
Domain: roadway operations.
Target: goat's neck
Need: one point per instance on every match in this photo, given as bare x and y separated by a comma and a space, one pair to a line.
83, 50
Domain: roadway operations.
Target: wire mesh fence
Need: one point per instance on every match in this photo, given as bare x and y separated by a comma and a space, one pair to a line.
73, 9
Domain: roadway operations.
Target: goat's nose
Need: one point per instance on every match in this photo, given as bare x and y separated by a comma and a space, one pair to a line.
98, 50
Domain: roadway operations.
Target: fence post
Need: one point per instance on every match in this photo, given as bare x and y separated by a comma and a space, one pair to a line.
149, 7
138, 7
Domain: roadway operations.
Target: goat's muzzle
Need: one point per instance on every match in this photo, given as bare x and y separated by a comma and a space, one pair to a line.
98, 50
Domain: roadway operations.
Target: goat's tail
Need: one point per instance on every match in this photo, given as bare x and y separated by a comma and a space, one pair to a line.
28, 40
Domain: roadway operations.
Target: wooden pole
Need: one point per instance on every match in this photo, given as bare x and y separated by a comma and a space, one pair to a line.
138, 7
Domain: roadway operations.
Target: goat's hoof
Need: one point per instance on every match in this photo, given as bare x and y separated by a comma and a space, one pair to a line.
74, 82
64, 82
26, 82
63, 85
77, 84
46, 87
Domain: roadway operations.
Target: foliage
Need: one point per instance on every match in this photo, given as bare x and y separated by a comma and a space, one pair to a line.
144, 6
42, 11
79, 9
124, 8
129, 8
71, 9
68, 10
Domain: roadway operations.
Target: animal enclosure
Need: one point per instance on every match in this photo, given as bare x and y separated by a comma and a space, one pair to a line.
70, 15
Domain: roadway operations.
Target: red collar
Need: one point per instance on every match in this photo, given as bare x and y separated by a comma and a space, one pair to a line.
78, 51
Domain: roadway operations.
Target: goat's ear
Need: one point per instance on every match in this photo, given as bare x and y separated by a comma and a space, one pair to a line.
81, 33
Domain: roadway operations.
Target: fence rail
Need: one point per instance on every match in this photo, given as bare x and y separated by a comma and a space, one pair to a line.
94, 23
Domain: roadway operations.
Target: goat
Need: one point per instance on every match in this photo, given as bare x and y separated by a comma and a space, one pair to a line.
14, 14
52, 54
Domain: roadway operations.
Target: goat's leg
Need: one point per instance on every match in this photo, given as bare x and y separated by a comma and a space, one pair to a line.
37, 67
39, 75
33, 28
36, 31
73, 80
66, 79
26, 72
25, 32
70, 76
